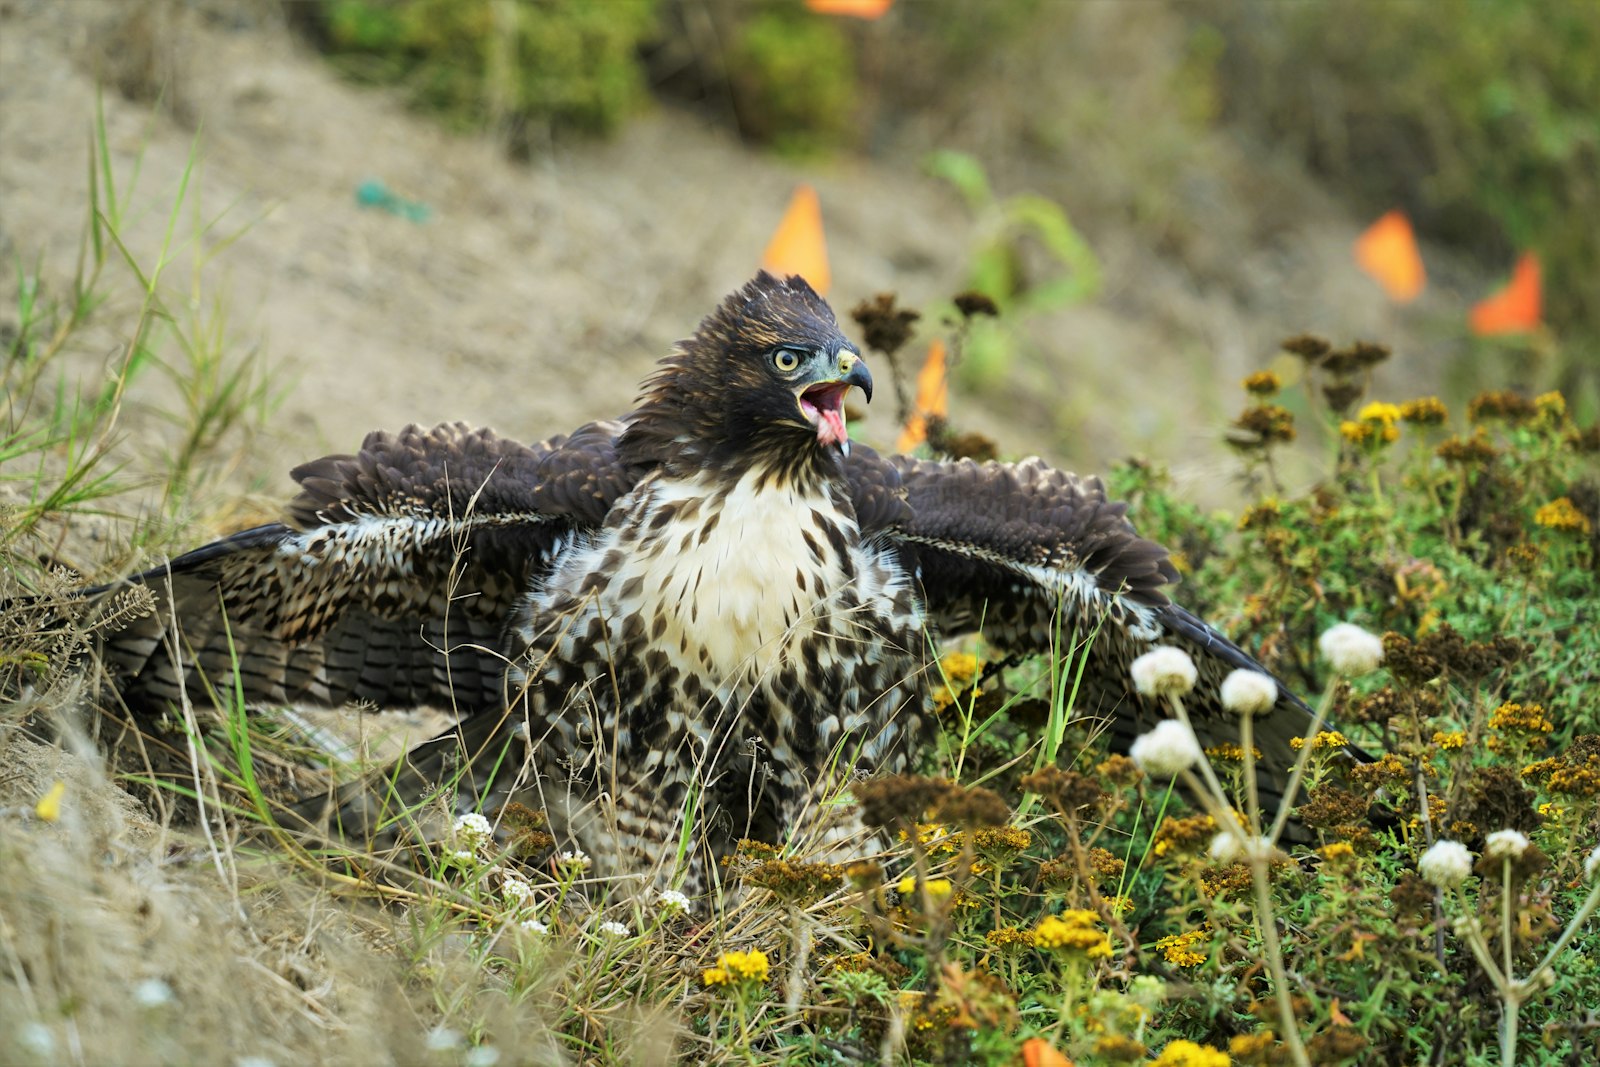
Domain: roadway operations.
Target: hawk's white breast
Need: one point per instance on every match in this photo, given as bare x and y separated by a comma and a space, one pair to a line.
742, 576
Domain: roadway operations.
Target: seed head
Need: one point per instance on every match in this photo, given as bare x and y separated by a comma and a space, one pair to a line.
1446, 864
1166, 750
1351, 650
1164, 670
1505, 844
1247, 692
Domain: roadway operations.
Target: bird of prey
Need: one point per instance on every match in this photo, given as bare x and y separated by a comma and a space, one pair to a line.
695, 623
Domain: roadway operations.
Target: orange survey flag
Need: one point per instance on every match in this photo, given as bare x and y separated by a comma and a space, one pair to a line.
860, 9
933, 398
1517, 307
1388, 252
1037, 1052
797, 245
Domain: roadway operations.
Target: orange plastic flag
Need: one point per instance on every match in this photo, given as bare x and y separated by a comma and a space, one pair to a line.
1037, 1052
933, 398
859, 9
797, 245
1517, 307
1388, 252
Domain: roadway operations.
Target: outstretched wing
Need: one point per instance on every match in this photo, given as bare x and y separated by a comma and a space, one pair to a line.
391, 581
1041, 561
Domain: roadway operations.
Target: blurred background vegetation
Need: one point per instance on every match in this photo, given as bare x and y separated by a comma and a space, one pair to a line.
1480, 119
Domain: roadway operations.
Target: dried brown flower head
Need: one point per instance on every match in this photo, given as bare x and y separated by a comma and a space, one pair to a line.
974, 807
1424, 411
1335, 1044
972, 303
1343, 361
884, 327
1262, 425
899, 801
1306, 346
797, 883
1500, 404
1494, 798
1341, 394
1119, 770
1327, 806
1474, 451
1067, 790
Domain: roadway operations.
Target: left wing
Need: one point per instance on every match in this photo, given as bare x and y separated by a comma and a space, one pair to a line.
391, 580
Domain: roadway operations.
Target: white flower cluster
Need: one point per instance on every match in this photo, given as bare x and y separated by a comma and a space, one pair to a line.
533, 926
1350, 650
615, 929
672, 902
1247, 692
472, 829
1164, 671
516, 890
576, 859
1166, 750
1446, 864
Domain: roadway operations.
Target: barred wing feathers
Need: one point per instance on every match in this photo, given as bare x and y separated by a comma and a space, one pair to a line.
391, 580
1042, 562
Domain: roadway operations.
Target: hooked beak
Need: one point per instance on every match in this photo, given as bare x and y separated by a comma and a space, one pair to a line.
822, 403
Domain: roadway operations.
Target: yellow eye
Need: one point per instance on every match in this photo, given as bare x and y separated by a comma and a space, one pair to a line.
785, 360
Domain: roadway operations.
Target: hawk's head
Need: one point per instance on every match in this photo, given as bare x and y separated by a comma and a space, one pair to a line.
762, 380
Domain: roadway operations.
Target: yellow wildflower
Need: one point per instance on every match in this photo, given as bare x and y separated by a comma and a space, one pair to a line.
1551, 405
1326, 739
938, 888
1338, 850
1452, 740
1179, 948
735, 967
1521, 718
1073, 930
1189, 1054
959, 668
1377, 411
1561, 514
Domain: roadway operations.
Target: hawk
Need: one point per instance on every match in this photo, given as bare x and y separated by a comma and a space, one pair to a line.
692, 624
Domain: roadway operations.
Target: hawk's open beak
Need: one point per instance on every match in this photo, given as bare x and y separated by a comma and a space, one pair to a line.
823, 402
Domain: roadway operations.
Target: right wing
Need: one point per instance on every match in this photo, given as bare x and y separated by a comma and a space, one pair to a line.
391, 581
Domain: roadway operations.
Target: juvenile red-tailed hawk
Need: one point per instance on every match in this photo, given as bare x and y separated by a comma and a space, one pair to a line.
709, 613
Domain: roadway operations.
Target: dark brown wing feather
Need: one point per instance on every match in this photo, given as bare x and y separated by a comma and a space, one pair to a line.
392, 581
1042, 562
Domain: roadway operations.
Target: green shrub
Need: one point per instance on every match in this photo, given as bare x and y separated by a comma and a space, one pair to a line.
527, 66
1479, 118
794, 79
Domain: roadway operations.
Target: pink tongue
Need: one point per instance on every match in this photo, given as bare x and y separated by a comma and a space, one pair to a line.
830, 426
